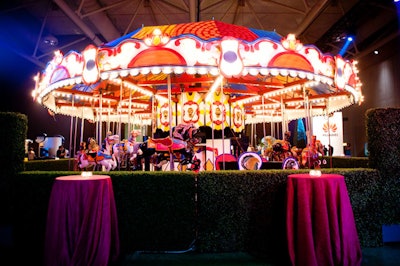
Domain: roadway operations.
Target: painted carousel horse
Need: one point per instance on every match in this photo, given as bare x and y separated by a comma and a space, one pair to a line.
95, 157
181, 145
280, 151
267, 143
109, 142
121, 153
126, 153
310, 155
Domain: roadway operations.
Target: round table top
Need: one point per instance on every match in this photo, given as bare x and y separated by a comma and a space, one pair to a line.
82, 177
315, 176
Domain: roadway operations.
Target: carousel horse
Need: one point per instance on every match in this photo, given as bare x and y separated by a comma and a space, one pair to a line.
280, 151
309, 158
181, 145
109, 143
121, 153
310, 155
267, 146
95, 157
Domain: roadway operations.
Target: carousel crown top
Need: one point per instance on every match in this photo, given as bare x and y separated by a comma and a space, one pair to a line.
214, 73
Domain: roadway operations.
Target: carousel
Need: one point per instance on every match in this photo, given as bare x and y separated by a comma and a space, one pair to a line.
192, 76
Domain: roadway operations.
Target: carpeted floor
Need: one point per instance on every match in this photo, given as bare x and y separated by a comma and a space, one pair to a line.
388, 255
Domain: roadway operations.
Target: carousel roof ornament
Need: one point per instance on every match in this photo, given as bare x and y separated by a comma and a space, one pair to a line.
261, 73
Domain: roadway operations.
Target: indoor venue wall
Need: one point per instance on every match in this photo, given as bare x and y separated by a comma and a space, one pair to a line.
380, 76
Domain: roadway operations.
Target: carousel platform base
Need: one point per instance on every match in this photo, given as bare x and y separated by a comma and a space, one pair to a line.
235, 166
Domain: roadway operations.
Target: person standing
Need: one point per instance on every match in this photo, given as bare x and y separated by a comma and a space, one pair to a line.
61, 152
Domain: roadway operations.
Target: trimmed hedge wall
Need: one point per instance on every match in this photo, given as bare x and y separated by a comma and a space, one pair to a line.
245, 210
234, 210
13, 132
68, 164
231, 211
383, 133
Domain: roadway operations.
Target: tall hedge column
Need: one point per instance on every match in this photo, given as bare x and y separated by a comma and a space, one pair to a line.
13, 132
383, 134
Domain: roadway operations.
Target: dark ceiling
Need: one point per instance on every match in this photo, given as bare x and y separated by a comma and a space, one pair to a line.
33, 29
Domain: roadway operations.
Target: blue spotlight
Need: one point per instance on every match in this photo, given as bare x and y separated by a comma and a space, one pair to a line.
346, 45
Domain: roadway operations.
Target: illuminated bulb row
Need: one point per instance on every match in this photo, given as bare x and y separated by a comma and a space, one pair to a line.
43, 90
135, 87
249, 100
287, 72
214, 86
161, 99
266, 106
134, 104
108, 75
282, 91
83, 97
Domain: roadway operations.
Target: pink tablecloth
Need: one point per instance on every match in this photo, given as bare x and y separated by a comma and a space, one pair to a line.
320, 223
82, 227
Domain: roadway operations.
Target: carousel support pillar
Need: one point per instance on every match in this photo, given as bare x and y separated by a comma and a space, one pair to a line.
129, 113
307, 115
182, 101
263, 115
100, 118
329, 133
284, 120
82, 127
72, 152
272, 125
171, 156
97, 126
153, 121
108, 118
223, 128
252, 134
120, 110
70, 132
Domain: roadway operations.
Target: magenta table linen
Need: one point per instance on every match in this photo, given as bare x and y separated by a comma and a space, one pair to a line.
82, 226
320, 224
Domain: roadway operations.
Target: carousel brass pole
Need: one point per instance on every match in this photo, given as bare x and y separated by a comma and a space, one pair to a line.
70, 131
108, 117
153, 121
82, 126
72, 153
329, 134
263, 115
171, 156
120, 110
284, 121
129, 114
223, 126
100, 118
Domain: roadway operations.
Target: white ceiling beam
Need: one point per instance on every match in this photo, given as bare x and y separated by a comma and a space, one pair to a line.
71, 14
309, 18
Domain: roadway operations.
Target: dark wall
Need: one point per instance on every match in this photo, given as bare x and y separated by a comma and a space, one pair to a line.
380, 76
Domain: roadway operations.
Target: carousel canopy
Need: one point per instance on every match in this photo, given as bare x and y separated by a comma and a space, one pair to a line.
209, 73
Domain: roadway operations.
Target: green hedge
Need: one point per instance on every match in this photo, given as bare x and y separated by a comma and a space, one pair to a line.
345, 162
383, 133
68, 164
50, 165
13, 131
234, 211
245, 210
